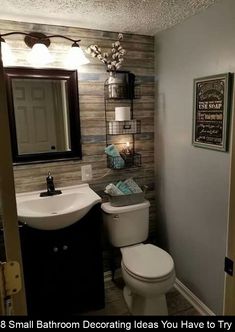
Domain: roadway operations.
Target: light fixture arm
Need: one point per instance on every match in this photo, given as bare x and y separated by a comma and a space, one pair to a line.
61, 36
14, 33
38, 38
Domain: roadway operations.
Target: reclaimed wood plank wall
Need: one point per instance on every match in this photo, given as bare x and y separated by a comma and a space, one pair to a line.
140, 61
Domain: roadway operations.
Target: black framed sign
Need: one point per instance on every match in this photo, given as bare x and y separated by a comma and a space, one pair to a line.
212, 103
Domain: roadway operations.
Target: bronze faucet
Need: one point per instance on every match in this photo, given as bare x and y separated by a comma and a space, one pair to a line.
50, 187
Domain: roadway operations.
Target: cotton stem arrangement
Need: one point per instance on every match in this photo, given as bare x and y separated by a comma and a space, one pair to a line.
112, 60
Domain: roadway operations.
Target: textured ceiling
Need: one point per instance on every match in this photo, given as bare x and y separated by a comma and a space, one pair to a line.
135, 16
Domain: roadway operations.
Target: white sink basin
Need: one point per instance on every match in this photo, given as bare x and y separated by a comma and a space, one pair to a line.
58, 211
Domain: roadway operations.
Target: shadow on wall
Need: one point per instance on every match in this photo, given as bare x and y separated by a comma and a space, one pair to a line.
161, 233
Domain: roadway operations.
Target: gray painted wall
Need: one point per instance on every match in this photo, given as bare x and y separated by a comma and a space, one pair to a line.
192, 183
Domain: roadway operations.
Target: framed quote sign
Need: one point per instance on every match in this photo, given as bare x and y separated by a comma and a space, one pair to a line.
211, 109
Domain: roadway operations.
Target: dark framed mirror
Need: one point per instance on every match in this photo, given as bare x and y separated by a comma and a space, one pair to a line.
43, 106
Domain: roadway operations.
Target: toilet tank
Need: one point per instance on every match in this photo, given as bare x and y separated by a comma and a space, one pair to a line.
126, 225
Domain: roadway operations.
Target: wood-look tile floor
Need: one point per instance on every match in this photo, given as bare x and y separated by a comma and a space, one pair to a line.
115, 304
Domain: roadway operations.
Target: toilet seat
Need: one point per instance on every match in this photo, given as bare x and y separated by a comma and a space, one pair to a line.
147, 262
147, 280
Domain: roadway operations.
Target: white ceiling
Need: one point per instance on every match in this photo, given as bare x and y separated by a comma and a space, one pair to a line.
145, 17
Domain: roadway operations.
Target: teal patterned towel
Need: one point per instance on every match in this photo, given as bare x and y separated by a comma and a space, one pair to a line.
117, 161
112, 151
112, 190
123, 187
133, 186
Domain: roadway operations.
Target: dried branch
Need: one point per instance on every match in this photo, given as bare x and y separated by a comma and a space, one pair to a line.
113, 60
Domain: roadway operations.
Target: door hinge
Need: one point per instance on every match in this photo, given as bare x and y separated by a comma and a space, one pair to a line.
10, 278
228, 266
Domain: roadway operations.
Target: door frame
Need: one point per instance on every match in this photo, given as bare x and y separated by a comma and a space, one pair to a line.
8, 199
229, 287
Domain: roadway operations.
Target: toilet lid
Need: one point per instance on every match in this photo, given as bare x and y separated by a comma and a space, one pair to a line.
147, 261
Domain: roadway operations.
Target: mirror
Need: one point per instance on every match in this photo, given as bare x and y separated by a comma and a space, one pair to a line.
43, 114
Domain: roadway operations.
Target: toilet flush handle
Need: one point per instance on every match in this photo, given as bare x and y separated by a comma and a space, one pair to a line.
116, 217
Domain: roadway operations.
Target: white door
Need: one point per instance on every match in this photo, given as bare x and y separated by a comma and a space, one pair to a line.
34, 115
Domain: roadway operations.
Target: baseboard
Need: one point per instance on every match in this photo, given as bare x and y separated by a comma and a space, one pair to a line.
193, 299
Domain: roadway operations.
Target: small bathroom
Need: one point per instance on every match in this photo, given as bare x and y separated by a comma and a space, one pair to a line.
110, 204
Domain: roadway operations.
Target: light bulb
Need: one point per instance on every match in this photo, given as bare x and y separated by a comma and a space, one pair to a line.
127, 149
39, 55
75, 57
8, 58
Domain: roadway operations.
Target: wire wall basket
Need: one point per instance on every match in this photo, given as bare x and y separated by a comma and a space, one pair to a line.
123, 127
131, 160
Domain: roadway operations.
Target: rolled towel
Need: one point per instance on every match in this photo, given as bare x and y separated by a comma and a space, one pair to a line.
112, 190
117, 161
112, 151
133, 186
123, 187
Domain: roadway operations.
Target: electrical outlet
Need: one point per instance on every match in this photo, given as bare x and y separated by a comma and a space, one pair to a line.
86, 172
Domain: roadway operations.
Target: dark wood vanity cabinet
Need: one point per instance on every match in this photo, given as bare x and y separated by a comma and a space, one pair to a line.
63, 268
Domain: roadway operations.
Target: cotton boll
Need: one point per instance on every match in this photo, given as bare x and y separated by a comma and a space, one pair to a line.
120, 36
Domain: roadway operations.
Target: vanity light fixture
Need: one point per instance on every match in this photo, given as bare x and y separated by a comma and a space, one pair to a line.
40, 55
7, 55
75, 54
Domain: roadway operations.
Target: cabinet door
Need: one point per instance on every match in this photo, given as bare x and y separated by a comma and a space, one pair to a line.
83, 266
63, 268
41, 264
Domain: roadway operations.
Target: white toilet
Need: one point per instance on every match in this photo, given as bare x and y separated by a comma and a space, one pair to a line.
147, 270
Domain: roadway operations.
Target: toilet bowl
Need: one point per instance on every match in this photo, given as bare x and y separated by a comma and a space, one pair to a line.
148, 273
147, 270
